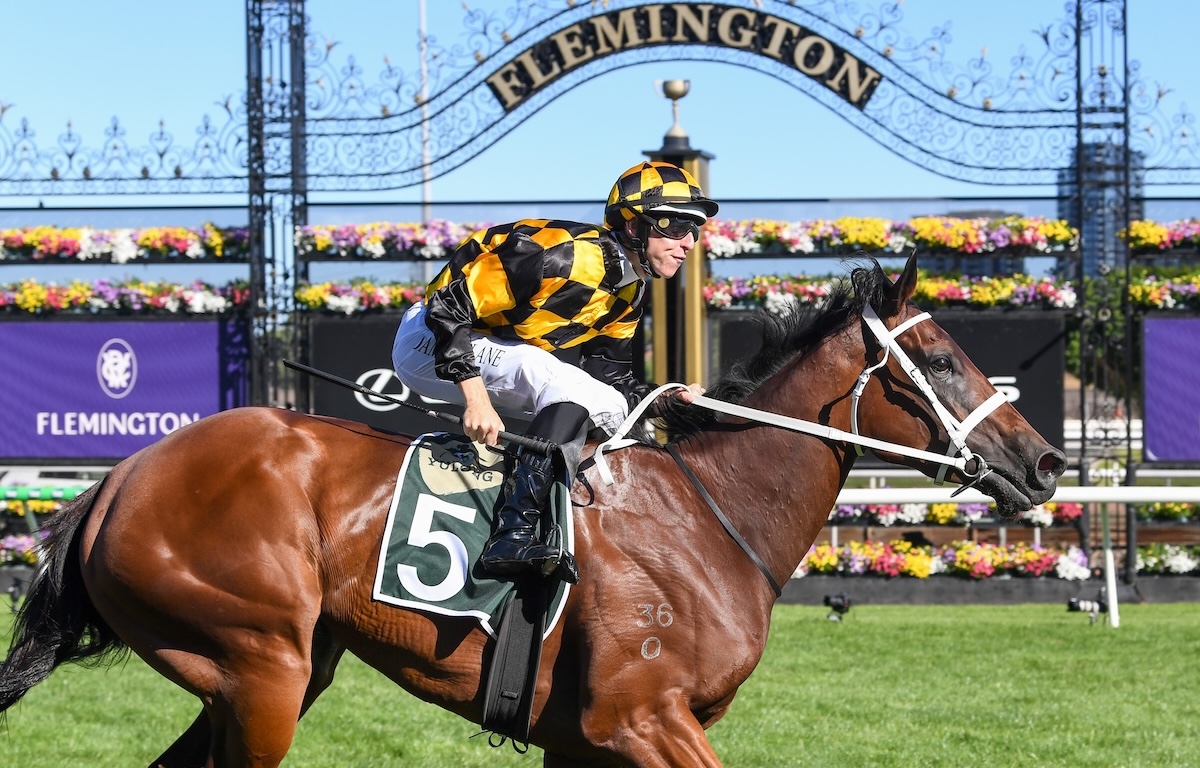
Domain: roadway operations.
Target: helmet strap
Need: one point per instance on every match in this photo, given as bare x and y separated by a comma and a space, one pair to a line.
637, 244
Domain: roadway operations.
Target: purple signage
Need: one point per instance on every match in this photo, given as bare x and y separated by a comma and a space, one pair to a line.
1171, 368
105, 389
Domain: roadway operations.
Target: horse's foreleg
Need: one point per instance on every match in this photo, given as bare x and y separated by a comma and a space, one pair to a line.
189, 750
667, 735
326, 653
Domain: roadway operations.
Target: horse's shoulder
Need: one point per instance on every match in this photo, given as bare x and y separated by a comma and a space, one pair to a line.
634, 468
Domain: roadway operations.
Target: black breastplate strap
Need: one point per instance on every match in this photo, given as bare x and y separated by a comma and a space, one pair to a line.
725, 522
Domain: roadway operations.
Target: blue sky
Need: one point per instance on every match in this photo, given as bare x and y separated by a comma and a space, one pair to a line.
145, 60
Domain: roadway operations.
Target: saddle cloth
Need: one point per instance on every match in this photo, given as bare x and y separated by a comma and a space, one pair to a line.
440, 517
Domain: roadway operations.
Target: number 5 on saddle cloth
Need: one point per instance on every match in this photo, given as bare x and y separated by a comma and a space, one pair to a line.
441, 515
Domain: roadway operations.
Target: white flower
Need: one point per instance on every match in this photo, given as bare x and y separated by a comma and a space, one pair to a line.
430, 251
912, 514
887, 516
1069, 568
124, 247
721, 299
344, 304
1039, 516
797, 239
171, 304
1178, 561
202, 302
373, 248
88, 247
898, 243
195, 250
722, 246
1066, 298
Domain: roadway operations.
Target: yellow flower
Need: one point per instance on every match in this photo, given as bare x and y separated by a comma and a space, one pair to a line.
823, 558
314, 296
918, 563
869, 234
942, 513
214, 240
31, 296
1146, 234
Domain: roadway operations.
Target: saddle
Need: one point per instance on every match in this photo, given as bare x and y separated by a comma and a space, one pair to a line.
441, 515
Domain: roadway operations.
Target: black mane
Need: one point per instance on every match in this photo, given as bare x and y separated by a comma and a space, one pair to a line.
784, 336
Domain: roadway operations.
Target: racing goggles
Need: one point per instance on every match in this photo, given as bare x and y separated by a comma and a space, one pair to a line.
673, 225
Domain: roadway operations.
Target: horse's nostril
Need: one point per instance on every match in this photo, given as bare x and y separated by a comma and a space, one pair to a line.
1052, 463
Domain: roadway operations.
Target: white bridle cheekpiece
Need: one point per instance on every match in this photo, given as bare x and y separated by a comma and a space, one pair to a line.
957, 455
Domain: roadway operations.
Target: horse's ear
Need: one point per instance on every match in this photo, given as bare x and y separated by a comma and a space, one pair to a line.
902, 290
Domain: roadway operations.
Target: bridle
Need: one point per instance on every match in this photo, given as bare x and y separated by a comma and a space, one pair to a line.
971, 465
955, 429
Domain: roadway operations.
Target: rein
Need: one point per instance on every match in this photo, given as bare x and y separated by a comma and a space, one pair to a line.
726, 523
958, 455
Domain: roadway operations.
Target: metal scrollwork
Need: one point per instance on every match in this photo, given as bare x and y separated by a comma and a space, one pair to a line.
976, 122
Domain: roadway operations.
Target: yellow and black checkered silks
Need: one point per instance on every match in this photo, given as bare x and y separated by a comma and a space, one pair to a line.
549, 283
650, 184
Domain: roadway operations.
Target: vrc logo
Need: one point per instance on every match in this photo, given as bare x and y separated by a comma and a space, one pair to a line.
116, 368
378, 379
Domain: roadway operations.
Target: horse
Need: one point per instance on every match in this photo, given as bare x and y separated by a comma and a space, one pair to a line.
236, 555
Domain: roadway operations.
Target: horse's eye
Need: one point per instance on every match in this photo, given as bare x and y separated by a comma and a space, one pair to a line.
940, 364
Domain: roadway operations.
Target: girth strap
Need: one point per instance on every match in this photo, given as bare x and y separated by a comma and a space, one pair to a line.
725, 521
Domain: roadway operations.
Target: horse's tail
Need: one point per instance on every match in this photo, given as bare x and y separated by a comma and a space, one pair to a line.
57, 623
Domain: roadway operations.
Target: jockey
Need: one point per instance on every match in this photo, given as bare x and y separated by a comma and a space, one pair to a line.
536, 318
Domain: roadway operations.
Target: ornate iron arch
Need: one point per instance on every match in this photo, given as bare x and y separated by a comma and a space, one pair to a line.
975, 124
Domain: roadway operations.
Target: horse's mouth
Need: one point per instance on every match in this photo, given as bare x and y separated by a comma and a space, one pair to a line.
1010, 499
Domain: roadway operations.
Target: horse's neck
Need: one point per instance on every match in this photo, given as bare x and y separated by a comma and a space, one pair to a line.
778, 486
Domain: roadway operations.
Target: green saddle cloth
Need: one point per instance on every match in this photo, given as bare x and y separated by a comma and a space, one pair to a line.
440, 517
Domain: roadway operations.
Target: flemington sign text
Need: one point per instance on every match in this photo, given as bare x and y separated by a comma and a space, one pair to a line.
684, 24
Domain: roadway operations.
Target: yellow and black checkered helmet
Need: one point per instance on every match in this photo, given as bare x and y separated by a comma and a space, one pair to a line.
650, 185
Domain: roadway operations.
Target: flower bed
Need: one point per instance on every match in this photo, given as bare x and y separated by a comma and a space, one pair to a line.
1012, 235
415, 241
122, 246
979, 560
132, 296
358, 296
1150, 236
776, 293
949, 513
19, 549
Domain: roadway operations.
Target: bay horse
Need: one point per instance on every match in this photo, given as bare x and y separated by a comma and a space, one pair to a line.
236, 555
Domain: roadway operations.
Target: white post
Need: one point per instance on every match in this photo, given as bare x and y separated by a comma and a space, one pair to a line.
1110, 574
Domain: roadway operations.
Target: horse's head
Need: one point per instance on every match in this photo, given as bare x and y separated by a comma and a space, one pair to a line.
920, 390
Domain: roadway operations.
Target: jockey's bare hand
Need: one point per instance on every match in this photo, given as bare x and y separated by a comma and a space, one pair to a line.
480, 421
690, 394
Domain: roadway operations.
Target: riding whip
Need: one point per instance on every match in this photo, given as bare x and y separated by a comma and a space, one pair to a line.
532, 443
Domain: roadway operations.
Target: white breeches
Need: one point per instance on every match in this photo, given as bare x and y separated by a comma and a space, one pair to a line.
521, 378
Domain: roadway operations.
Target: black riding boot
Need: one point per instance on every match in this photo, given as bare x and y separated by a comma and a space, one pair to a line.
514, 547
